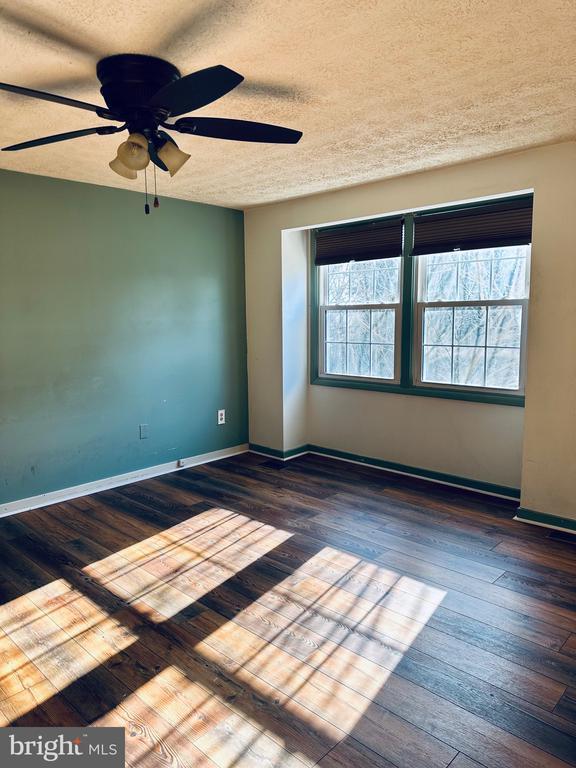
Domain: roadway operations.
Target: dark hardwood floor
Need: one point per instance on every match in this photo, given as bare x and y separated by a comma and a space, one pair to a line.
257, 614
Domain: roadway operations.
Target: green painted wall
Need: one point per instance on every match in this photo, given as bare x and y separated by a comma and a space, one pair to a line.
110, 319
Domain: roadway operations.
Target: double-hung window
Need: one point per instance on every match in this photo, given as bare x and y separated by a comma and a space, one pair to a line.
360, 300
431, 303
471, 318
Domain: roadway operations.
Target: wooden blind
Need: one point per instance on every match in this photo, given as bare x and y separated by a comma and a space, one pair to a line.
493, 225
381, 239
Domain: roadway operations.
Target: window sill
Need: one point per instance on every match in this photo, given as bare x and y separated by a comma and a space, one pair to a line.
495, 398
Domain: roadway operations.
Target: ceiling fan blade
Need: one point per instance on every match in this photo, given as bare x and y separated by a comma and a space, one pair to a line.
196, 90
236, 130
100, 111
102, 129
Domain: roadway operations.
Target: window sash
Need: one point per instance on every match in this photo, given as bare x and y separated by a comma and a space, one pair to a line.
418, 347
422, 266
358, 377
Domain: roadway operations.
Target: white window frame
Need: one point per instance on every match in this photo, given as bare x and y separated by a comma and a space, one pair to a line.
324, 307
418, 343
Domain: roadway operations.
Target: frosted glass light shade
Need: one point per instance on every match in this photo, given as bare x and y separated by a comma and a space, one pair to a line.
118, 167
134, 152
172, 157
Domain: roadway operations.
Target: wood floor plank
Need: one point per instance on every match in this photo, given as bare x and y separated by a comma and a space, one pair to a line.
351, 752
569, 647
461, 761
558, 556
566, 707
554, 594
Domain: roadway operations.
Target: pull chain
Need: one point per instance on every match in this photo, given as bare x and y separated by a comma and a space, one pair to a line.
156, 201
146, 206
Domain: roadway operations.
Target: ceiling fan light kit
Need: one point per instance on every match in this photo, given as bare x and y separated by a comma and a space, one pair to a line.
143, 93
118, 167
172, 157
133, 153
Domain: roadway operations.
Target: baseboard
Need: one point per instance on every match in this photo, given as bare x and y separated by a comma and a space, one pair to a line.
276, 454
65, 494
466, 483
565, 524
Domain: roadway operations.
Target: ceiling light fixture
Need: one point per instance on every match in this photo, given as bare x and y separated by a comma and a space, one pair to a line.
172, 157
133, 153
122, 170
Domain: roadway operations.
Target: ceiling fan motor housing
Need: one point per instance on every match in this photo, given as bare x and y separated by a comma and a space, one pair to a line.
129, 80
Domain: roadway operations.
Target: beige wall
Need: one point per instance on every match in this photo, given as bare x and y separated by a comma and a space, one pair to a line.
485, 442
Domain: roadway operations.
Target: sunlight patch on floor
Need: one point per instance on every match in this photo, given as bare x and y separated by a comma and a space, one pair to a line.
52, 637
165, 573
215, 726
307, 655
323, 654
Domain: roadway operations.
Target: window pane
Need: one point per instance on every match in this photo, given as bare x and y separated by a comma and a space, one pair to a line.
387, 282
383, 324
359, 325
509, 279
441, 282
437, 365
358, 359
438, 326
335, 358
338, 289
335, 325
473, 280
469, 326
504, 326
361, 287
503, 368
382, 363
469, 366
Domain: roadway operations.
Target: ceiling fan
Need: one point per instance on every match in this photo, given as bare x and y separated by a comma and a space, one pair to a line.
145, 94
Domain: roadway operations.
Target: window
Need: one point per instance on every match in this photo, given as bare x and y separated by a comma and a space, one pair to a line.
430, 304
360, 318
471, 318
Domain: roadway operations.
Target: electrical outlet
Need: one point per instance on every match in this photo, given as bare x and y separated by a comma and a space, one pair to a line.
222, 416
144, 432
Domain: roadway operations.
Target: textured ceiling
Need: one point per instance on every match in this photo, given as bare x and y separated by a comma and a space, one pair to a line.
379, 87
